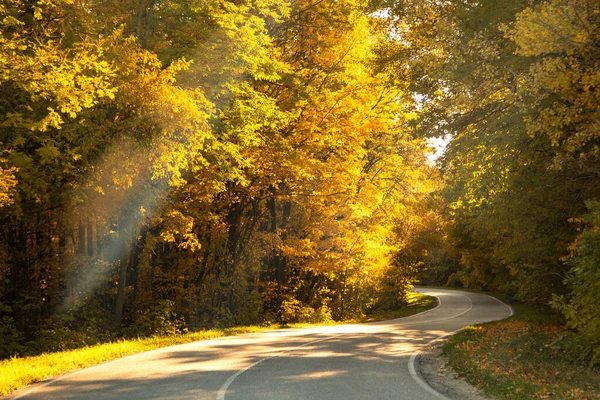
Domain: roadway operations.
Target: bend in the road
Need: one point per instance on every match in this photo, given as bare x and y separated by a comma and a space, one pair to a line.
330, 362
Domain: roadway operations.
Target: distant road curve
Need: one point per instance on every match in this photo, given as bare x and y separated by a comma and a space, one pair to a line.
361, 361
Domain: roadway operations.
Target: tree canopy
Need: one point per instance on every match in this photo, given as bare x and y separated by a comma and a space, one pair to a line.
515, 88
172, 165
168, 166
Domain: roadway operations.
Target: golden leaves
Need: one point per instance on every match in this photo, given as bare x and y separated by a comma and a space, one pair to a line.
524, 359
8, 182
554, 26
562, 34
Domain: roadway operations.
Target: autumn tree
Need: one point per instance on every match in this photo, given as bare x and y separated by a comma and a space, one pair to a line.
515, 88
171, 165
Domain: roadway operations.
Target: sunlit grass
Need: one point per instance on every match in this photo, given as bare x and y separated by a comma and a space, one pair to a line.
17, 373
417, 303
522, 358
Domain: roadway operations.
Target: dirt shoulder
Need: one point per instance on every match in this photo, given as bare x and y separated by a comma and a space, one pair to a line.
434, 370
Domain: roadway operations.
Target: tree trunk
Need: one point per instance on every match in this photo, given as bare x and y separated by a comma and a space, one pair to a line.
120, 301
143, 21
92, 248
122, 280
81, 239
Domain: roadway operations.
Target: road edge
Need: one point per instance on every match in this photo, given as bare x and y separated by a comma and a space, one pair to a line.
417, 374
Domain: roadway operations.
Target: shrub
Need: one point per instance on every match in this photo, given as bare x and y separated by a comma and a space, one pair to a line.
160, 319
10, 338
580, 307
395, 287
293, 310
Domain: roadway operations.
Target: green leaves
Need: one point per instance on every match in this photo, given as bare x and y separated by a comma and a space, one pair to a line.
516, 89
581, 305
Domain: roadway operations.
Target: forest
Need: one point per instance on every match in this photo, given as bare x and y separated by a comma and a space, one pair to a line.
168, 166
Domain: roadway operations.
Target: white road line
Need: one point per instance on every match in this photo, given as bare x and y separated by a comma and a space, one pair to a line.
413, 373
446, 318
512, 311
439, 304
411, 366
411, 363
228, 382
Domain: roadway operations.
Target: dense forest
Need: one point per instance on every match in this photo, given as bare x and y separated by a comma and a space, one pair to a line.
515, 88
175, 165
170, 165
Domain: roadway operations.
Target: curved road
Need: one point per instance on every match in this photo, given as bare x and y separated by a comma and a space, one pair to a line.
366, 361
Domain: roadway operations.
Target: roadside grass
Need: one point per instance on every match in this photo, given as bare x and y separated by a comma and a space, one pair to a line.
417, 303
16, 373
523, 357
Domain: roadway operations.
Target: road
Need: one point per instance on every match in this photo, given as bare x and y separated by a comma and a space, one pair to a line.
361, 361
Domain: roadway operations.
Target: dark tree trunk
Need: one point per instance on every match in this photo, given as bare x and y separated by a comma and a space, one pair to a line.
81, 240
122, 279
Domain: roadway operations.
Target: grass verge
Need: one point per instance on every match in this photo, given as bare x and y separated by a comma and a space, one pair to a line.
417, 303
16, 373
522, 357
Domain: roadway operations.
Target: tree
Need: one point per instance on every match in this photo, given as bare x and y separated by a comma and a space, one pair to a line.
171, 165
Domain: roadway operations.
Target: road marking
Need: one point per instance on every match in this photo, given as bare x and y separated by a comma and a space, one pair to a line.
446, 318
228, 382
412, 370
415, 375
411, 362
512, 311
439, 303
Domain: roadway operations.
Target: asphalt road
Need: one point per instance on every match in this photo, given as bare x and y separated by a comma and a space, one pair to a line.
366, 361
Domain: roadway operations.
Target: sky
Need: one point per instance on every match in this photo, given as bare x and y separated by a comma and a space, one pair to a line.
438, 145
